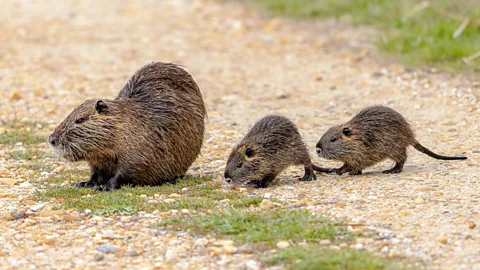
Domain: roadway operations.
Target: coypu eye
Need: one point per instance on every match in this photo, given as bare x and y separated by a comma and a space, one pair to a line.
80, 120
347, 132
249, 152
333, 139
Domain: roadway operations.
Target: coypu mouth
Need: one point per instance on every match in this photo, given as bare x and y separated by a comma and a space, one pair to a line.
323, 154
69, 153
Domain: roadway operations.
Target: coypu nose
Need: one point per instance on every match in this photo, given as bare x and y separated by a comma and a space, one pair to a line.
52, 140
228, 180
319, 150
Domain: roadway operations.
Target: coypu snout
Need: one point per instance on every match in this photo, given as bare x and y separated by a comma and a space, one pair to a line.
52, 139
227, 177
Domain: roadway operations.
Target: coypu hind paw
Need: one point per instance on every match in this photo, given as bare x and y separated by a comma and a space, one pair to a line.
396, 169
111, 185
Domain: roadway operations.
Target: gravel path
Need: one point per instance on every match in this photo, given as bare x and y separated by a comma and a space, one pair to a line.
55, 54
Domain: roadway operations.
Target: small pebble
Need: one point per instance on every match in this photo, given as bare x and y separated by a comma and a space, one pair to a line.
266, 204
30, 222
132, 253
283, 244
471, 224
200, 242
325, 242
107, 249
252, 265
98, 256
229, 250
443, 239
419, 201
26, 185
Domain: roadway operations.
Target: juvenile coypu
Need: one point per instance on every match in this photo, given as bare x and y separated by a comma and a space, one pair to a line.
270, 146
374, 134
149, 134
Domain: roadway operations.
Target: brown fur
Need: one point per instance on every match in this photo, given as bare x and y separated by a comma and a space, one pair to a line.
149, 134
374, 134
274, 144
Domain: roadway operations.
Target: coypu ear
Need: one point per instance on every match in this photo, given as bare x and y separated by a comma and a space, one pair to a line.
101, 106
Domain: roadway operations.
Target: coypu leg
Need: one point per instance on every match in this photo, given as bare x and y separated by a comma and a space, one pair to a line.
309, 174
115, 182
264, 182
323, 170
399, 159
97, 178
396, 169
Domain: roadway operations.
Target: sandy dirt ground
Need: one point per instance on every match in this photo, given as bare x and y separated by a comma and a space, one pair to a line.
55, 54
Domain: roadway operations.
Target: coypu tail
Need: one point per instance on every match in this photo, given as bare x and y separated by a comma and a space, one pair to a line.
320, 169
426, 151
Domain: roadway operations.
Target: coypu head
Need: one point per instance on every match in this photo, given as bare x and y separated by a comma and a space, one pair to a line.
86, 132
245, 165
338, 143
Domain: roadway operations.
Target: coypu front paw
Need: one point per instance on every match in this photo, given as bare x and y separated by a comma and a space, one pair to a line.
309, 174
88, 184
258, 184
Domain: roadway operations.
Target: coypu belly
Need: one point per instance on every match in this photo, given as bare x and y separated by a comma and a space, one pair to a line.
161, 162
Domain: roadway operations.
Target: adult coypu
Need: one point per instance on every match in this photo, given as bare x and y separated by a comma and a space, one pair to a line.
374, 134
270, 146
149, 134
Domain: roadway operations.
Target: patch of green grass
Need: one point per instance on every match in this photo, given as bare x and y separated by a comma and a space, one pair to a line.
264, 227
315, 257
38, 166
16, 124
23, 136
201, 194
28, 154
70, 176
420, 32
26, 132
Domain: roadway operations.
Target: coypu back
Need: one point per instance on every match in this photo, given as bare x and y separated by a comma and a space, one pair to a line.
157, 80
379, 124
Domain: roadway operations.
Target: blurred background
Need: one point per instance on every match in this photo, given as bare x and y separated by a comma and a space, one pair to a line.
317, 62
